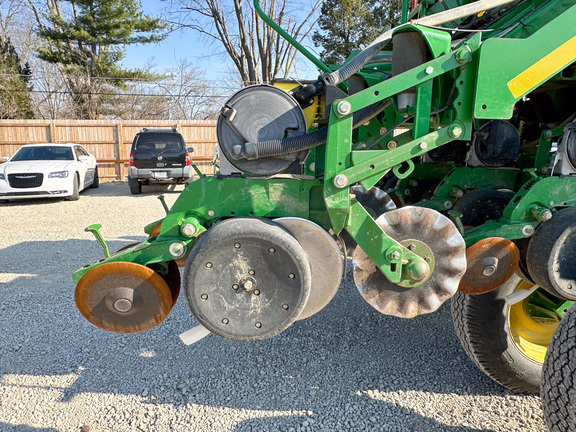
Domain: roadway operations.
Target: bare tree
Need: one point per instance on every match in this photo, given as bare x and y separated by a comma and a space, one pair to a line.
257, 51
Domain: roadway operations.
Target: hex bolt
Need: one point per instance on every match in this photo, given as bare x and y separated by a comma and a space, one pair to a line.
271, 250
456, 192
455, 131
344, 107
423, 146
204, 297
528, 230
447, 204
549, 133
235, 286
258, 325
383, 130
256, 292
251, 272
210, 213
237, 245
569, 286
340, 181
394, 256
177, 249
546, 215
188, 230
285, 307
123, 305
462, 55
429, 70
312, 166
291, 275
392, 145
412, 247
208, 265
225, 321
248, 285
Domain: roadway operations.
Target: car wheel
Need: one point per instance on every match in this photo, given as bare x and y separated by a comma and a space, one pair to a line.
96, 181
75, 190
135, 186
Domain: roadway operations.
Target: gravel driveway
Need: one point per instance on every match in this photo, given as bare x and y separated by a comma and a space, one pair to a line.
346, 368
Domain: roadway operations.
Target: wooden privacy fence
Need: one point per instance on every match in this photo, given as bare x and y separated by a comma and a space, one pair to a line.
108, 140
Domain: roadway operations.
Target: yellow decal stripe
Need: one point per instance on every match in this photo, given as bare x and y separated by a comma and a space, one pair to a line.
543, 68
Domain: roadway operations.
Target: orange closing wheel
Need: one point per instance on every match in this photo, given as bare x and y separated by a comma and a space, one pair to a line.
490, 263
123, 297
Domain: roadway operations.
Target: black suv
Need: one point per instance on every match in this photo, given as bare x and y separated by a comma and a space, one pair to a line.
159, 156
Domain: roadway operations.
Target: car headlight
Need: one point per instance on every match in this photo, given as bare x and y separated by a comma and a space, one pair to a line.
58, 174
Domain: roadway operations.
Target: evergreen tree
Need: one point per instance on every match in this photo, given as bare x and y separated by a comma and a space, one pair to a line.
348, 25
14, 84
86, 39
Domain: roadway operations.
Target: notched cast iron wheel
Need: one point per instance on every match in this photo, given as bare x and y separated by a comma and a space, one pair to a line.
559, 377
505, 342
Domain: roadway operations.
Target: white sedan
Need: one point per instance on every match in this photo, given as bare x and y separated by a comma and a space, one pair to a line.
48, 171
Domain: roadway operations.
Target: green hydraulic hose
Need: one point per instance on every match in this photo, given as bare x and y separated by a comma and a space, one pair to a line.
290, 39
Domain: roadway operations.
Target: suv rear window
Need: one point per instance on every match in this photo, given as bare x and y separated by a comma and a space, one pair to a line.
158, 142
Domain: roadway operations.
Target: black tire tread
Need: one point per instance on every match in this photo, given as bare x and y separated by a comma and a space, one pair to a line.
96, 183
558, 391
470, 323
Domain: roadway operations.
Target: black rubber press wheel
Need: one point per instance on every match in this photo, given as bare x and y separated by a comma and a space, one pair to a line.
247, 279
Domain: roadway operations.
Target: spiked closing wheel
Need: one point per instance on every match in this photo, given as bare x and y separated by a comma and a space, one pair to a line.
247, 279
123, 297
491, 262
433, 237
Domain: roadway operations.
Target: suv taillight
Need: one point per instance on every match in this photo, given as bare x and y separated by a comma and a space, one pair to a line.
131, 163
188, 159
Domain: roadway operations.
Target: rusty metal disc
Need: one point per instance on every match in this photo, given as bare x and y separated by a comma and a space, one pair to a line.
436, 239
326, 263
156, 230
490, 263
123, 297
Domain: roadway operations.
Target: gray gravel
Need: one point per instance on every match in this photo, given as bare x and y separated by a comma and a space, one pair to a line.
346, 368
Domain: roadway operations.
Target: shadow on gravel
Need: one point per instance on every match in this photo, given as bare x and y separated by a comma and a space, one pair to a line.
5, 427
404, 420
346, 359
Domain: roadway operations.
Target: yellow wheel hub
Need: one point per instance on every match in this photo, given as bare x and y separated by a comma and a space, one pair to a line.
531, 335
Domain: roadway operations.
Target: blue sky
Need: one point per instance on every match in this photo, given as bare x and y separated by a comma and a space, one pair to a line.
189, 45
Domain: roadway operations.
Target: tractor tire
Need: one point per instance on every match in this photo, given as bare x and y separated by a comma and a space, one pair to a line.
483, 326
559, 377
135, 186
